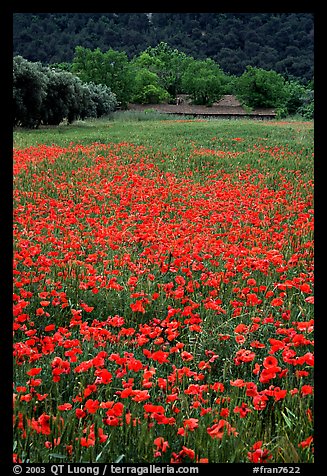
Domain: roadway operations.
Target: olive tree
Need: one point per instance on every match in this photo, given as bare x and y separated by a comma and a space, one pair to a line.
29, 91
60, 96
101, 100
48, 95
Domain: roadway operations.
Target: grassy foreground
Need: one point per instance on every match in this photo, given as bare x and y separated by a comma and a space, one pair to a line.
163, 292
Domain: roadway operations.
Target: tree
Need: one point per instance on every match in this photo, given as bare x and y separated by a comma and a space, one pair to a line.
101, 100
88, 65
59, 98
168, 63
110, 68
44, 95
146, 88
53, 37
260, 88
306, 108
295, 93
29, 92
205, 81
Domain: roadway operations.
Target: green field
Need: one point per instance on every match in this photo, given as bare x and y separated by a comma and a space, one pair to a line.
163, 291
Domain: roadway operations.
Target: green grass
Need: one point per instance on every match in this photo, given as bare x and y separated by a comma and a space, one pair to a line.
175, 139
138, 128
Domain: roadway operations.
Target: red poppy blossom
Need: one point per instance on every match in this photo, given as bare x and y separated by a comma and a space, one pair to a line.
186, 356
244, 355
219, 429
160, 356
65, 406
270, 362
148, 407
243, 410
276, 302
138, 306
306, 390
91, 405
191, 423
103, 376
259, 455
140, 395
161, 444
307, 442
34, 371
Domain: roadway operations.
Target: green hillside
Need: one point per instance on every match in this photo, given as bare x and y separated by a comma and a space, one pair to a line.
279, 41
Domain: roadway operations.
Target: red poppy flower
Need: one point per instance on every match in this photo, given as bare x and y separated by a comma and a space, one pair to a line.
186, 356
307, 442
243, 410
65, 406
138, 306
34, 371
148, 407
270, 362
187, 452
237, 383
258, 455
80, 413
140, 395
244, 355
276, 302
218, 430
103, 376
306, 390
161, 444
191, 423
91, 405
160, 356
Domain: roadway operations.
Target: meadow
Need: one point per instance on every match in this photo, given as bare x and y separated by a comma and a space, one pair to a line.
163, 291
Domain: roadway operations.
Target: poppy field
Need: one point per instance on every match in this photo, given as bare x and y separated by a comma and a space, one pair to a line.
163, 293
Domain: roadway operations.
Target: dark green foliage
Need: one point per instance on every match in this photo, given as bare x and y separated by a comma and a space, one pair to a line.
279, 41
29, 92
48, 95
306, 109
260, 88
295, 96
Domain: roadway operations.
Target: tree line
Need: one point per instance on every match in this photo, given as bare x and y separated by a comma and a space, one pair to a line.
96, 82
48, 95
283, 42
161, 73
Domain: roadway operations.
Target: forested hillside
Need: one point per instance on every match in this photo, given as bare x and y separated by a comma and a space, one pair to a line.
279, 41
